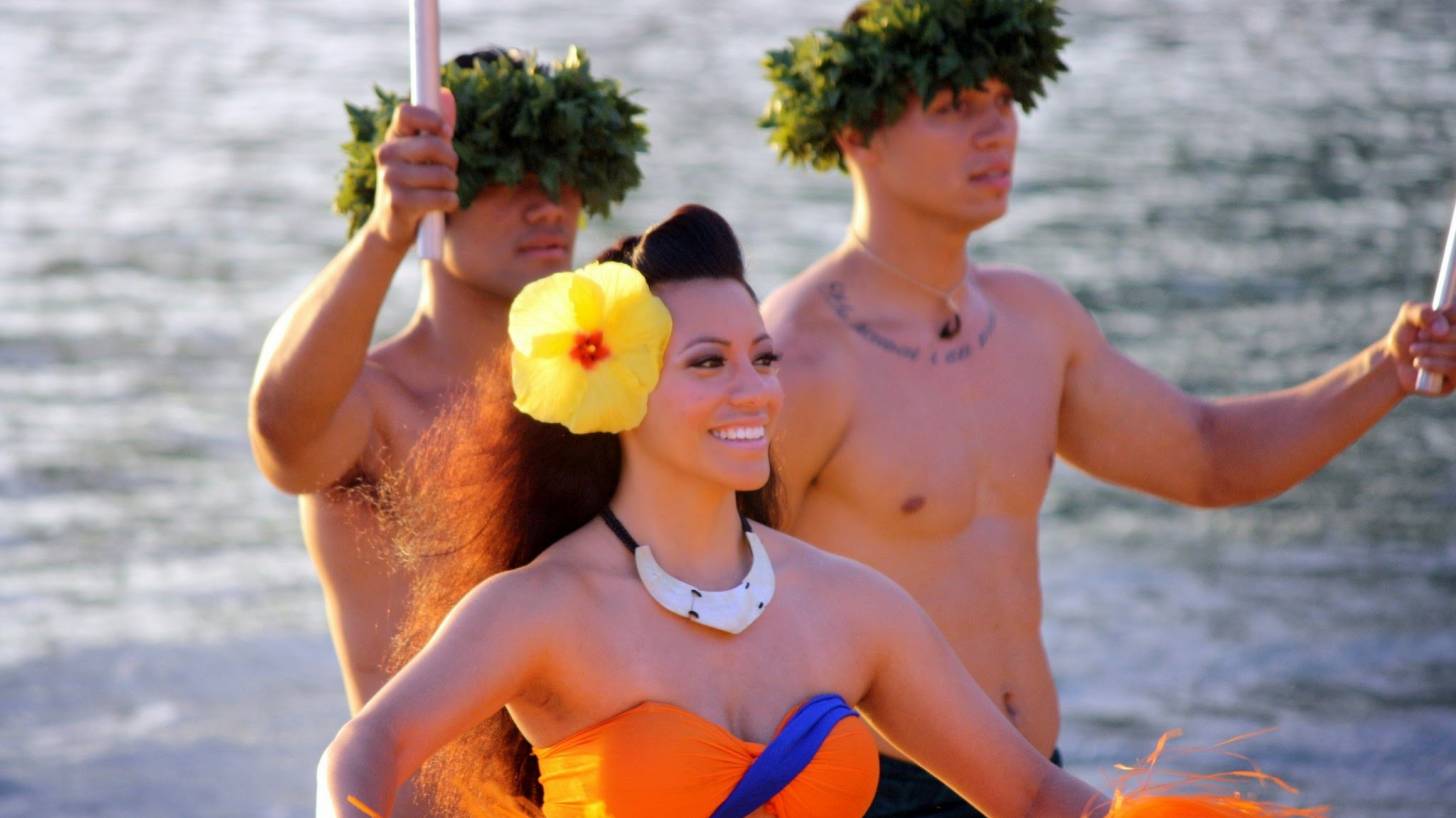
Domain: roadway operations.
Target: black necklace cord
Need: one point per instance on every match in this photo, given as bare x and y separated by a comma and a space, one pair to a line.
626, 536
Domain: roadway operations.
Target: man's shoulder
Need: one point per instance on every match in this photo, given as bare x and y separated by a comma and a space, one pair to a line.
800, 304
805, 328
405, 398
1023, 284
1036, 298
401, 377
393, 362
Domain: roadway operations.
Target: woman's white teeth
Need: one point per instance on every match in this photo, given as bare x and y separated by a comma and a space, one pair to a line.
739, 433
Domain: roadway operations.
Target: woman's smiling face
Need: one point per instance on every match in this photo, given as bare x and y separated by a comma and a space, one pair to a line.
711, 415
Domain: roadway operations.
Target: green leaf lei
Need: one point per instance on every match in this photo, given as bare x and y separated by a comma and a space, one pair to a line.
556, 122
861, 74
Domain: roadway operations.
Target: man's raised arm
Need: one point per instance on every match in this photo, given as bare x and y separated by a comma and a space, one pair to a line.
310, 416
1126, 425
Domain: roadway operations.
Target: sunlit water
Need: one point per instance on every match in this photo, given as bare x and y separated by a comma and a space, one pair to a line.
1241, 192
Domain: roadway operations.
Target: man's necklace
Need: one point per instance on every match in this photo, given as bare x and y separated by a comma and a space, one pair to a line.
952, 327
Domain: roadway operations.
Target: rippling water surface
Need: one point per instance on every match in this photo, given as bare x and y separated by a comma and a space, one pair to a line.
1241, 192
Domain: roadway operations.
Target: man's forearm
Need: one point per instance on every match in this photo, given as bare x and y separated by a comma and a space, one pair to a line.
1261, 445
316, 351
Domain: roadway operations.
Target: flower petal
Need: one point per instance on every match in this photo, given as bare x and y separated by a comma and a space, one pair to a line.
619, 282
542, 308
642, 365
613, 401
589, 302
547, 389
553, 345
641, 323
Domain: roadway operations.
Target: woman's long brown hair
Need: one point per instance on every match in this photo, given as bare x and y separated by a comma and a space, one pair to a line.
489, 489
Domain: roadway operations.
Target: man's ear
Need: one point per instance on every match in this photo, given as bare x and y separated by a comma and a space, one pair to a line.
854, 146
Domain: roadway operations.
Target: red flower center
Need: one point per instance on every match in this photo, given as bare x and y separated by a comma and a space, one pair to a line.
589, 349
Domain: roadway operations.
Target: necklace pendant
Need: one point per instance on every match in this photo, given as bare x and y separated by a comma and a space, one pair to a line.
952, 327
730, 611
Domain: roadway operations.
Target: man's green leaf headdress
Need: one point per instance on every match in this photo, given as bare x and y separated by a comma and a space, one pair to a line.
861, 74
514, 118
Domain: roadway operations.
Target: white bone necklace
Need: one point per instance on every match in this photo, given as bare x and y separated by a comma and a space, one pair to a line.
730, 611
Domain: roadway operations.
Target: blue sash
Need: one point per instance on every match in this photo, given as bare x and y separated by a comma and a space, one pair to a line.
786, 756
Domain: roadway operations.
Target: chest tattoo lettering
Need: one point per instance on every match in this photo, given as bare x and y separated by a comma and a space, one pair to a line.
839, 303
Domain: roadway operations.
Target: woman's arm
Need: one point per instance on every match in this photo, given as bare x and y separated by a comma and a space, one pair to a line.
924, 701
486, 652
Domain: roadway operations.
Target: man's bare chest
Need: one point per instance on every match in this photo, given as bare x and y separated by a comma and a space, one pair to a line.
946, 443
403, 418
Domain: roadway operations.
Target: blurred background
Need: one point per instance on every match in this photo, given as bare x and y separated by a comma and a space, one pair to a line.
1242, 193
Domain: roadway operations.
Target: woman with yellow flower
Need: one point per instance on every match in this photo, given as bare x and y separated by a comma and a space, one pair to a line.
627, 635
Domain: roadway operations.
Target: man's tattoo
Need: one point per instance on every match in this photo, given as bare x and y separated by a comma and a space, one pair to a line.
985, 334
839, 303
841, 307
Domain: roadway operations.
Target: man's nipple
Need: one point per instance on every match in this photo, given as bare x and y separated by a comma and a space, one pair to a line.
912, 505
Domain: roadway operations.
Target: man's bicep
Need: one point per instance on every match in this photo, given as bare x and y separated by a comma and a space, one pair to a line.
1125, 424
301, 464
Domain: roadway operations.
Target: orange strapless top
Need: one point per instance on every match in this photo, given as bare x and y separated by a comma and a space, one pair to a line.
658, 760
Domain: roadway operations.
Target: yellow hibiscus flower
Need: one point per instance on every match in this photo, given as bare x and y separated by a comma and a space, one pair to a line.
588, 347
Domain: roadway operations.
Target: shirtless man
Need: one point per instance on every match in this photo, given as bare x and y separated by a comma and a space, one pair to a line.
918, 434
329, 415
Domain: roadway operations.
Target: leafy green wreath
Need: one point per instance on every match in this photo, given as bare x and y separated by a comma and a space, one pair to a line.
860, 75
513, 118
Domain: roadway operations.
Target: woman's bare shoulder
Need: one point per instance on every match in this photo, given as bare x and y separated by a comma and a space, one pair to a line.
838, 579
545, 590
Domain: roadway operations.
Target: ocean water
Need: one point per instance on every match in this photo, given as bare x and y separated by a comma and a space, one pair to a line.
1242, 193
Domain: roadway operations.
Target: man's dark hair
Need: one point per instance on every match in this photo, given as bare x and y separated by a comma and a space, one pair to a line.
492, 54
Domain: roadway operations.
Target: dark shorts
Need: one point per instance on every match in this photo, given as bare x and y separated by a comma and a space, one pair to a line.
906, 791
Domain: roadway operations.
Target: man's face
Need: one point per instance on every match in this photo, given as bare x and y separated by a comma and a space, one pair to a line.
951, 159
511, 236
